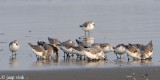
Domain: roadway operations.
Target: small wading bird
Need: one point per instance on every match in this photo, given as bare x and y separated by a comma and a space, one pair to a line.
94, 53
133, 52
66, 47
49, 48
119, 49
145, 50
88, 26
148, 51
38, 50
13, 46
78, 50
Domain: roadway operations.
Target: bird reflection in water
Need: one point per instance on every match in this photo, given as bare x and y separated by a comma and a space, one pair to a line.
146, 62
122, 62
68, 61
82, 42
87, 40
86, 63
97, 63
66, 58
119, 62
43, 62
140, 62
13, 62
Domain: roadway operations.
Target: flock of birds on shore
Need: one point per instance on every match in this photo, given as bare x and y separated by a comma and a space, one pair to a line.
96, 51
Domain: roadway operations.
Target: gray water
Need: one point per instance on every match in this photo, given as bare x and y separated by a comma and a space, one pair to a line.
117, 21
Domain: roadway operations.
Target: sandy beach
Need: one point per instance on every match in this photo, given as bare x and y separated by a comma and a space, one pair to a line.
121, 73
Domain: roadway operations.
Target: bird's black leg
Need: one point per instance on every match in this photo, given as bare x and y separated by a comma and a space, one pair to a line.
120, 56
68, 55
56, 56
128, 57
37, 57
77, 56
15, 54
80, 57
117, 56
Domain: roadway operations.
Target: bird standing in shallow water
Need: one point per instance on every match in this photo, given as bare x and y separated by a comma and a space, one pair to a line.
66, 47
148, 51
49, 49
88, 26
38, 50
119, 49
145, 50
78, 50
13, 46
94, 53
133, 52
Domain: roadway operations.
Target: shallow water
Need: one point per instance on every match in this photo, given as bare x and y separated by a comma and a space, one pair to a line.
116, 22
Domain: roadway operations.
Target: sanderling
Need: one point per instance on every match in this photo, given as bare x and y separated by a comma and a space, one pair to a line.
87, 40
148, 51
13, 46
119, 49
94, 52
38, 50
53, 41
88, 26
140, 47
66, 47
133, 52
49, 48
78, 50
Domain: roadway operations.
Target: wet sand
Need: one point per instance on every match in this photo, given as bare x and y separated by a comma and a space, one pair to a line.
119, 73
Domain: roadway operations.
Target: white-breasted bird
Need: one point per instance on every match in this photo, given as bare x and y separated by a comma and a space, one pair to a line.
94, 53
119, 49
88, 26
38, 50
14, 46
49, 48
148, 51
66, 47
133, 52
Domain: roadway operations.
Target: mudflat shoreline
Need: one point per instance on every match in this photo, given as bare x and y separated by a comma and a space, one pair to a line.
119, 73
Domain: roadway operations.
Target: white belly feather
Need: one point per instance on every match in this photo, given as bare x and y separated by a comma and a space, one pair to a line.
37, 53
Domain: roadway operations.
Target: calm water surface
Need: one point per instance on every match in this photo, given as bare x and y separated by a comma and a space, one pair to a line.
116, 22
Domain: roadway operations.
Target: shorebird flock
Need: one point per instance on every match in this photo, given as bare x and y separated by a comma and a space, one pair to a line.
96, 51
